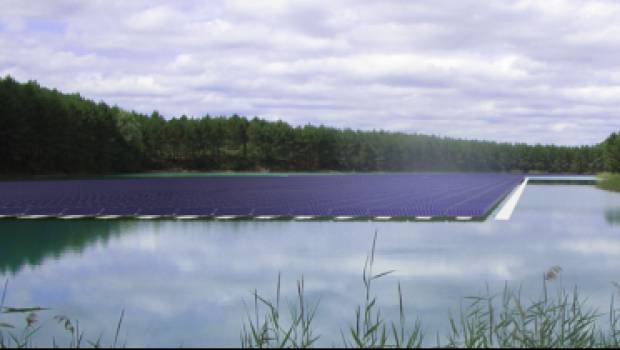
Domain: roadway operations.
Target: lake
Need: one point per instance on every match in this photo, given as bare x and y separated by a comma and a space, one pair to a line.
184, 283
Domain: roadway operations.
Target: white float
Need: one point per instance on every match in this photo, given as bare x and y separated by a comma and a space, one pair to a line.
108, 217
148, 217
226, 217
266, 217
33, 216
70, 217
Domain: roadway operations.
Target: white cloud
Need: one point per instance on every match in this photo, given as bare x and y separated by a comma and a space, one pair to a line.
560, 127
155, 18
508, 71
592, 247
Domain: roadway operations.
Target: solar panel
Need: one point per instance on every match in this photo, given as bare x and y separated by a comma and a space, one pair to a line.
234, 211
157, 211
44, 211
349, 211
313, 211
393, 212
82, 211
268, 211
12, 211
394, 195
119, 211
195, 211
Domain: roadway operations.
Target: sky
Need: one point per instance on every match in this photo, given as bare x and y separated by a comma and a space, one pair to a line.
516, 71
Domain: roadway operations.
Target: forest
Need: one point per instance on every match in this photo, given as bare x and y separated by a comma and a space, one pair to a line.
44, 131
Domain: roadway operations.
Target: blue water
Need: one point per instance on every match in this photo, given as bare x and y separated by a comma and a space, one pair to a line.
185, 283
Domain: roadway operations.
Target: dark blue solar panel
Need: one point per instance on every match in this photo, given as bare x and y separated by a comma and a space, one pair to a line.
12, 211
314, 211
234, 211
195, 211
396, 195
119, 211
81, 211
44, 211
397, 212
349, 211
157, 211
268, 211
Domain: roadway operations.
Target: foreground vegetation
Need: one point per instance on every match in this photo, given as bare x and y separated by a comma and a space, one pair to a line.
24, 338
609, 182
556, 319
43, 131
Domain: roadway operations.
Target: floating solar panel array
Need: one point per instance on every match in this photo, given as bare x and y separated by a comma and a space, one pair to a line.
384, 196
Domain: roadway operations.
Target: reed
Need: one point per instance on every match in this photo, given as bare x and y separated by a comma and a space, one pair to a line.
266, 328
370, 329
11, 337
555, 320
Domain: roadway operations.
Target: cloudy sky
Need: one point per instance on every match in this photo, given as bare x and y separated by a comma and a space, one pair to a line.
534, 71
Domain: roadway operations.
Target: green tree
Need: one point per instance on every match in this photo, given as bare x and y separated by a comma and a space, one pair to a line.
44, 131
612, 152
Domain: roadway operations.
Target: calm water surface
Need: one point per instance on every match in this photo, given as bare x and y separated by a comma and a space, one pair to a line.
185, 283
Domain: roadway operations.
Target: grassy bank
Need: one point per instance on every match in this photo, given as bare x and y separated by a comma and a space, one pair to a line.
609, 182
558, 318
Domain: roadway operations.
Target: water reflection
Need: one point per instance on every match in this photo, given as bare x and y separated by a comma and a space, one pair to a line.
31, 243
184, 283
613, 216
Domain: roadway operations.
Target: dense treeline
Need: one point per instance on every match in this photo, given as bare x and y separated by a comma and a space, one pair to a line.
611, 149
44, 131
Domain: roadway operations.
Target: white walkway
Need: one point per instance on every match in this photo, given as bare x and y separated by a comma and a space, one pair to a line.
509, 206
506, 212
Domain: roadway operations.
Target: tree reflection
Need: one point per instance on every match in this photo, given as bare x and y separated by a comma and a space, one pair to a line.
29, 243
613, 216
